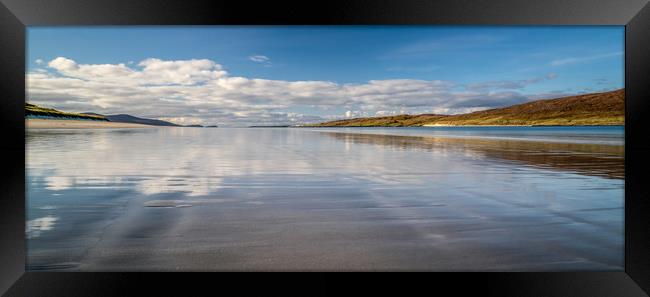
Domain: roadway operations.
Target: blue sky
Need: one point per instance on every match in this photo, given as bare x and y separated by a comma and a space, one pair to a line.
256, 75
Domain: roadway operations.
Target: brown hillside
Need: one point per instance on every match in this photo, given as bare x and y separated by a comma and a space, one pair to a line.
591, 109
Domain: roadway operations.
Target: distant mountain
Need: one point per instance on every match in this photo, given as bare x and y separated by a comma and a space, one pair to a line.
606, 108
196, 126
125, 118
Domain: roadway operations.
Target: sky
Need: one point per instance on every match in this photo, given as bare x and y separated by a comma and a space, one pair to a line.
275, 75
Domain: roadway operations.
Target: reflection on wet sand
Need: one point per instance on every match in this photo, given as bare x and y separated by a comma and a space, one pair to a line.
194, 199
588, 159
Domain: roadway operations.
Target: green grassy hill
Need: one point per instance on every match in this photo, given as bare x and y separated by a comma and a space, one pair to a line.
590, 109
37, 111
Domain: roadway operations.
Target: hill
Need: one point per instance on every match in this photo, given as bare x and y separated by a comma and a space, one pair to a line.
32, 110
35, 111
606, 108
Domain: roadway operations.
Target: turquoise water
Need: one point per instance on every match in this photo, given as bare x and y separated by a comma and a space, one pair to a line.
439, 198
613, 135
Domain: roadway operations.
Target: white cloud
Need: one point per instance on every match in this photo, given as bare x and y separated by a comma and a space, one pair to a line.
428, 47
422, 68
38, 61
260, 59
509, 84
200, 91
153, 72
574, 60
63, 64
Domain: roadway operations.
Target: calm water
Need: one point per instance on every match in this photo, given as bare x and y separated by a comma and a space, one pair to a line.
444, 199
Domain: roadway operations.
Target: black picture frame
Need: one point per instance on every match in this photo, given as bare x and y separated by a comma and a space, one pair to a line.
15, 15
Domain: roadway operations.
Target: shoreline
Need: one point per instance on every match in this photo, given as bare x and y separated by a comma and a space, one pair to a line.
531, 125
443, 125
78, 124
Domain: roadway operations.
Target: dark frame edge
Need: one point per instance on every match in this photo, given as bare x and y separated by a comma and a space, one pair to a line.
637, 148
12, 209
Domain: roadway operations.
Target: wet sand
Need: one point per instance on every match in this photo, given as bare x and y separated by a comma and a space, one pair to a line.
77, 124
208, 200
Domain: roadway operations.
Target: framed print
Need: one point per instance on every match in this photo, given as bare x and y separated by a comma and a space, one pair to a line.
500, 144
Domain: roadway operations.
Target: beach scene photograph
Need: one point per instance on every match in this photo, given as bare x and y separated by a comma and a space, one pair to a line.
325, 148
